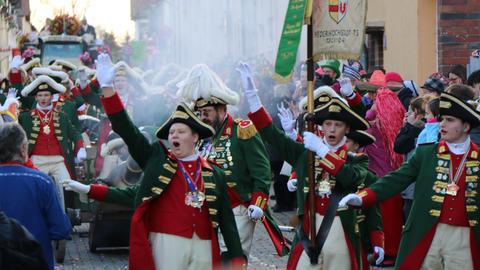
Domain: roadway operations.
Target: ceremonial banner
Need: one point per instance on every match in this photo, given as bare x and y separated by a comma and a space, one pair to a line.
338, 28
289, 41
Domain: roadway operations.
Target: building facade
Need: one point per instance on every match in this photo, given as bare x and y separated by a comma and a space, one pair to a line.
412, 37
14, 22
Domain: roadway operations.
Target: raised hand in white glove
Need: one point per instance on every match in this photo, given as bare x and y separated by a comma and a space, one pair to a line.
11, 99
16, 62
246, 76
249, 89
75, 186
351, 199
12, 93
346, 88
292, 185
81, 155
105, 71
287, 121
315, 144
82, 77
380, 252
255, 212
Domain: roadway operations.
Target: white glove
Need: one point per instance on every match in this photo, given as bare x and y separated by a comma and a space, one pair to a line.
249, 90
346, 88
351, 199
81, 155
287, 121
255, 212
75, 186
11, 99
55, 97
381, 254
246, 76
12, 93
292, 185
16, 62
82, 76
105, 70
314, 143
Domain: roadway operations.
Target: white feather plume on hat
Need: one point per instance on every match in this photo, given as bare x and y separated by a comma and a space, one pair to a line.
48, 71
202, 82
322, 90
40, 80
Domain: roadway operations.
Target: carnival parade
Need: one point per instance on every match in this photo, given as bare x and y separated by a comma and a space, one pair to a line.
223, 134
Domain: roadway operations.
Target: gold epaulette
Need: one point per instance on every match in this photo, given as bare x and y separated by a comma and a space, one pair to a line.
246, 129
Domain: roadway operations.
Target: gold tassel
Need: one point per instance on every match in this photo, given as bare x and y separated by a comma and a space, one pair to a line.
246, 129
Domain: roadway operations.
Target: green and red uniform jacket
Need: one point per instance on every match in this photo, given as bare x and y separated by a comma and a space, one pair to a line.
348, 171
239, 151
429, 168
157, 191
63, 139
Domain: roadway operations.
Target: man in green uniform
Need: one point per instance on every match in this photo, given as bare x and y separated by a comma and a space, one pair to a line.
442, 230
369, 219
236, 148
50, 133
182, 200
335, 171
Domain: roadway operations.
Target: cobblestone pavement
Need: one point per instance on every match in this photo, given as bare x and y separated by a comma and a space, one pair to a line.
78, 256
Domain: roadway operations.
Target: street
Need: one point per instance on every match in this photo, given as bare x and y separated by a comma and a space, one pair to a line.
78, 256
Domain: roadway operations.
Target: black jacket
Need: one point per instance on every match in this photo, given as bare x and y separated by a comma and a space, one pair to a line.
406, 138
405, 95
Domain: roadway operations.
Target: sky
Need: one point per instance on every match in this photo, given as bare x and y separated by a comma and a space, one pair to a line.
111, 15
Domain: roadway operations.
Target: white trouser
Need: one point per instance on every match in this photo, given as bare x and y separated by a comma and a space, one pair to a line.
245, 228
172, 252
450, 249
334, 255
55, 167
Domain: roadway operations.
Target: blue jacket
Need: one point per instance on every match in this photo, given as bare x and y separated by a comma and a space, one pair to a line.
29, 196
429, 133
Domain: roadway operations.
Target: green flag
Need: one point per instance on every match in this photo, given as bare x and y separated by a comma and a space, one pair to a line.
290, 39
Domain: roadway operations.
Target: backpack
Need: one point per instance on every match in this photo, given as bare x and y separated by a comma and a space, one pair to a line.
19, 249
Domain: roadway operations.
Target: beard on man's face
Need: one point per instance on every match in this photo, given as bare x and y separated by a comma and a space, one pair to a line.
216, 124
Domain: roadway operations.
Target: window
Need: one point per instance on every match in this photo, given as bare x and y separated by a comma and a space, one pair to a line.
374, 48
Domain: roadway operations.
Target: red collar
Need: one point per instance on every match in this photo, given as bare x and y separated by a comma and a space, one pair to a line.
342, 151
227, 130
472, 154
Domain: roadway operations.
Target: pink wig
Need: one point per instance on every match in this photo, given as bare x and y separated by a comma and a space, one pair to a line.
390, 114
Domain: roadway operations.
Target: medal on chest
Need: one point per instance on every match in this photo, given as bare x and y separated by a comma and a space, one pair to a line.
45, 120
195, 196
46, 130
452, 189
221, 153
195, 199
323, 187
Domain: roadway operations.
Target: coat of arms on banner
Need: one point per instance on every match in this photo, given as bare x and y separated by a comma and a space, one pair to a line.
337, 9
